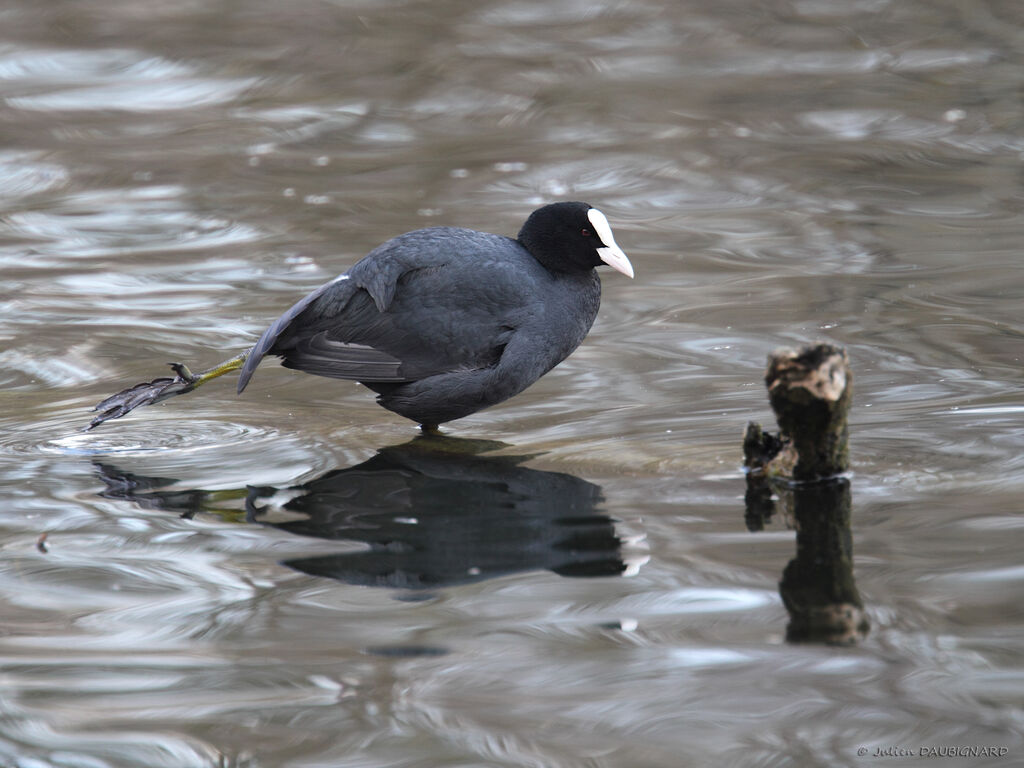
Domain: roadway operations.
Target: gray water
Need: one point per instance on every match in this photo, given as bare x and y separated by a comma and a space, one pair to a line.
578, 587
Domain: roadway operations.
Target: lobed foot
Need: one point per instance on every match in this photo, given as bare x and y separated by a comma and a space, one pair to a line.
146, 393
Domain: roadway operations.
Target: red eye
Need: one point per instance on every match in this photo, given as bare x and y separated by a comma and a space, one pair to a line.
585, 232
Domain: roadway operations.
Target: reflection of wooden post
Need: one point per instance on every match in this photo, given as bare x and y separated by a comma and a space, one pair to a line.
810, 392
817, 586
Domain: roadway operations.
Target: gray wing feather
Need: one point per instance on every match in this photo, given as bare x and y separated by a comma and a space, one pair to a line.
323, 356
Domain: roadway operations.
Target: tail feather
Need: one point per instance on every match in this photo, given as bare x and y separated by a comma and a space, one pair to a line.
273, 333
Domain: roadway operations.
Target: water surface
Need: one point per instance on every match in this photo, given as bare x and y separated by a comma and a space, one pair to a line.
279, 579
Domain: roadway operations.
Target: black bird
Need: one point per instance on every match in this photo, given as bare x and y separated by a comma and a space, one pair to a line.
439, 322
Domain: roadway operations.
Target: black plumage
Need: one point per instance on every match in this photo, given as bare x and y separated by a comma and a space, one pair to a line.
443, 322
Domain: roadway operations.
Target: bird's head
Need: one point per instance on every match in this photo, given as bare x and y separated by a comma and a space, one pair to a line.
572, 237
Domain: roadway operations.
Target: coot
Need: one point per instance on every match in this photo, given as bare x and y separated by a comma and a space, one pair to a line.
443, 322
439, 322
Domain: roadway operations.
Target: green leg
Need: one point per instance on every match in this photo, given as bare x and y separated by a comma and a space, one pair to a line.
195, 380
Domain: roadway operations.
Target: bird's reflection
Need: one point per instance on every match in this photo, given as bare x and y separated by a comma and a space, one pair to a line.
434, 511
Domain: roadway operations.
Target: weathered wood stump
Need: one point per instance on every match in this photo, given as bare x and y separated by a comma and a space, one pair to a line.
810, 393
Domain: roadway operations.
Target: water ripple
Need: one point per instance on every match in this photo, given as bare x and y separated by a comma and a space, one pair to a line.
102, 222
154, 437
61, 67
181, 442
26, 173
114, 79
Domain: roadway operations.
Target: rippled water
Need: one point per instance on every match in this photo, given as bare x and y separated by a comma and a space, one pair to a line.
570, 579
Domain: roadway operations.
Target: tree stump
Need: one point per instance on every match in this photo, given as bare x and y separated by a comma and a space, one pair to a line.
810, 391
